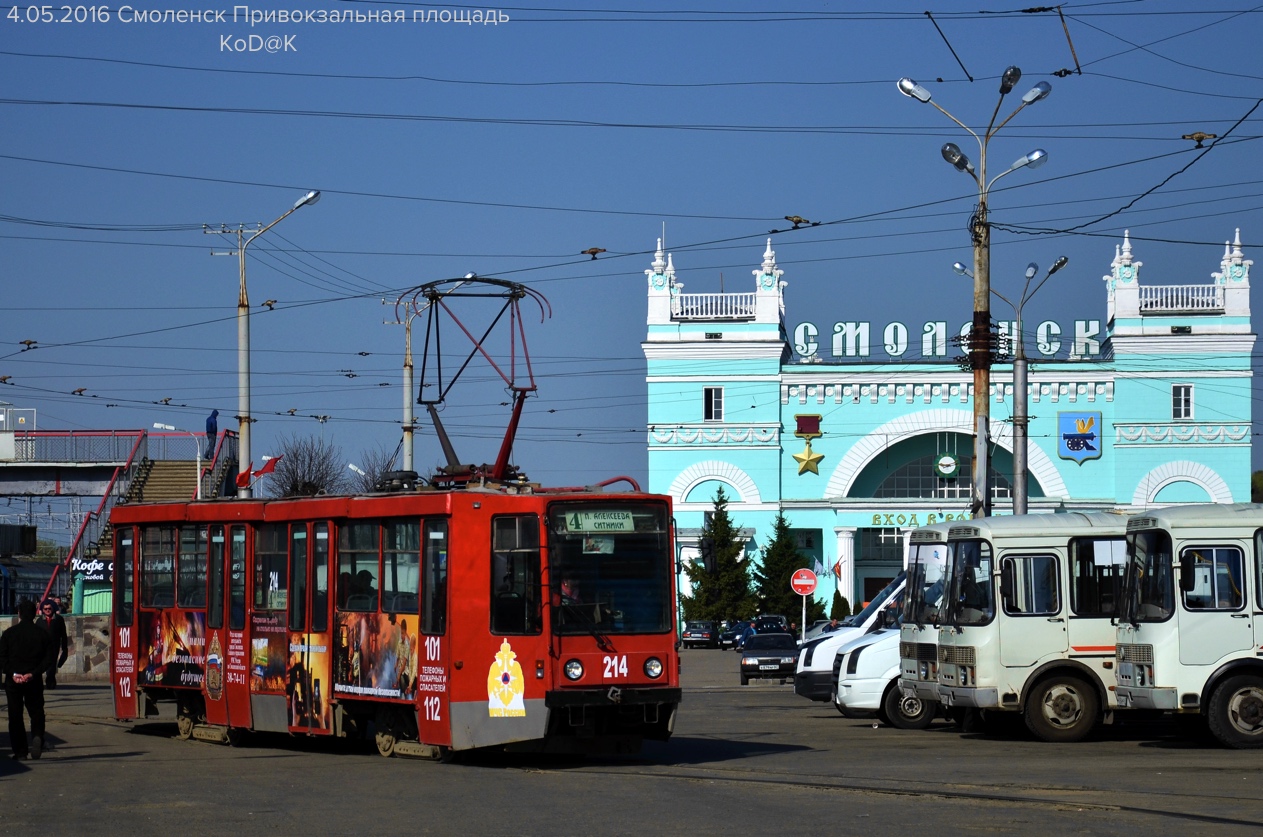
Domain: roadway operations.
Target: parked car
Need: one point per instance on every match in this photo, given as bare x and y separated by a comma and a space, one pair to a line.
728, 636
700, 635
769, 655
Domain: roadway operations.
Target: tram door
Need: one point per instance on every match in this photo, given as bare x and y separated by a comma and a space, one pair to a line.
432, 676
307, 676
225, 688
124, 662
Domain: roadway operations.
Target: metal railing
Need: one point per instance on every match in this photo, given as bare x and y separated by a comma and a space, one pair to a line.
1178, 299
714, 306
77, 445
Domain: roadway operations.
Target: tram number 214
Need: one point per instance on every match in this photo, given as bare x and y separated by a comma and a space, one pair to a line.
615, 666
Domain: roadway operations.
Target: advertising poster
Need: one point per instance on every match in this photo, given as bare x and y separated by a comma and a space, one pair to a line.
268, 652
376, 655
307, 681
173, 648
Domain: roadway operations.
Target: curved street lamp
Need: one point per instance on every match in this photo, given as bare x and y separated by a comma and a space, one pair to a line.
980, 333
243, 342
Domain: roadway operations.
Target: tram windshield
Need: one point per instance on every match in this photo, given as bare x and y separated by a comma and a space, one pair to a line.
610, 568
970, 596
1148, 586
925, 583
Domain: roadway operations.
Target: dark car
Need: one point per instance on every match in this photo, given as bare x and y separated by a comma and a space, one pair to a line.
769, 655
728, 636
700, 635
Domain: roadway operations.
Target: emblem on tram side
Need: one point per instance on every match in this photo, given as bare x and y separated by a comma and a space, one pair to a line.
214, 669
1078, 436
506, 685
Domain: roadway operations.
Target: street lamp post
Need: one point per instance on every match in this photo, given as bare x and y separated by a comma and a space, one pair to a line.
243, 339
1021, 421
197, 446
980, 333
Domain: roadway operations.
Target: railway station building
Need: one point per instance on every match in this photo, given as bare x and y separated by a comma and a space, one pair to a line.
858, 432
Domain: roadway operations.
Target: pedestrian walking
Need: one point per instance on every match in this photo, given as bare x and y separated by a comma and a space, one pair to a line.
26, 652
212, 431
51, 620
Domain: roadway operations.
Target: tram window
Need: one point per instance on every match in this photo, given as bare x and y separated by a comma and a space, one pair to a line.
1096, 575
298, 578
515, 572
237, 580
434, 570
192, 567
270, 578
401, 566
357, 567
320, 579
124, 591
1216, 582
215, 610
1030, 585
157, 567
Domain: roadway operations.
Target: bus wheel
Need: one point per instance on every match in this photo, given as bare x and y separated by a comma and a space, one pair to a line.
1061, 709
908, 712
1236, 712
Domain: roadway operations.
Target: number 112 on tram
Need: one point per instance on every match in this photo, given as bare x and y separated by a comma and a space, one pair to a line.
438, 621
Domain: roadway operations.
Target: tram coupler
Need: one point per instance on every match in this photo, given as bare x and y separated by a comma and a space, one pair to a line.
417, 750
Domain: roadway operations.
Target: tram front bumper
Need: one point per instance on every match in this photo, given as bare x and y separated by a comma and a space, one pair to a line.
611, 696
1132, 698
976, 698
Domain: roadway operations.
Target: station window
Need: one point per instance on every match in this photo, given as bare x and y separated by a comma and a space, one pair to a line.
270, 577
358, 561
1096, 575
1211, 578
515, 570
713, 403
157, 566
1181, 402
1030, 585
192, 567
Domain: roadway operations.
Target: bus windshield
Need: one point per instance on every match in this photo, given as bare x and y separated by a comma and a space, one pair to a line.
970, 595
610, 568
1148, 586
925, 583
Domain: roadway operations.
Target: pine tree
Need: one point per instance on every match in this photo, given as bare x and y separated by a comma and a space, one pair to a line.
841, 607
721, 584
780, 559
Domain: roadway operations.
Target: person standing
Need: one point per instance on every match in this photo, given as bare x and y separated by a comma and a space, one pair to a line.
26, 652
212, 431
51, 620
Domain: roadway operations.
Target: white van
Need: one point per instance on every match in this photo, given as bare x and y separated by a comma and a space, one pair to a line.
868, 682
813, 678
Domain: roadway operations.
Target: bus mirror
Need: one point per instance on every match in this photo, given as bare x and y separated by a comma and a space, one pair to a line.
1006, 581
1187, 579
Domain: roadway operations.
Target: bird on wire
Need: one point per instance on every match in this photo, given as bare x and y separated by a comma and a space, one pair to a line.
592, 251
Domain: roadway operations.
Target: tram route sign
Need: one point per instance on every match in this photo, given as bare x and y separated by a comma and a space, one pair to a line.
613, 520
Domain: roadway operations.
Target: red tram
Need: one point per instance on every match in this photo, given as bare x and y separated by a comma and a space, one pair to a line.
434, 618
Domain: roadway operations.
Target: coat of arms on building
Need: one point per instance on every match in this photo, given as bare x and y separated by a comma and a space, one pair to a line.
1079, 436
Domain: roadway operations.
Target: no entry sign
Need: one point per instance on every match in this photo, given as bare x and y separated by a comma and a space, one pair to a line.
803, 582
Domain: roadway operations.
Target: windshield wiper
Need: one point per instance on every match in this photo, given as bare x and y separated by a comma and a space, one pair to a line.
589, 624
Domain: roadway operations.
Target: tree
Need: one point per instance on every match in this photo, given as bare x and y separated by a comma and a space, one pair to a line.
374, 463
780, 559
309, 466
841, 607
724, 591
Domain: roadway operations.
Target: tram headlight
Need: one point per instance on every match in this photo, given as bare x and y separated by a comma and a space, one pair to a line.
653, 667
573, 669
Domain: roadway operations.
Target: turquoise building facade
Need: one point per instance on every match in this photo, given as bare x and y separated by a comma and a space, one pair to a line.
860, 432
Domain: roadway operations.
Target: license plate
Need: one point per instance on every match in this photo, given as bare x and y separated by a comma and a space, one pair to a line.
769, 668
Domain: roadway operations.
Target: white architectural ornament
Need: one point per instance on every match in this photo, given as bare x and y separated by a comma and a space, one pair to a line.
725, 472
1181, 471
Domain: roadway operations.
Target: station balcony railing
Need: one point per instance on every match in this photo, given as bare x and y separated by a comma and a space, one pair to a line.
1181, 299
742, 306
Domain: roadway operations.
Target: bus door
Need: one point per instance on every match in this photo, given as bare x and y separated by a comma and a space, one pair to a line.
307, 676
225, 688
1214, 620
123, 662
432, 671
1033, 619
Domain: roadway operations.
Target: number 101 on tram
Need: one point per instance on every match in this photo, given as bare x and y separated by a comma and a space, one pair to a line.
436, 621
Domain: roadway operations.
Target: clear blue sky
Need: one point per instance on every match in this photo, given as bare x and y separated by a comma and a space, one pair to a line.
506, 150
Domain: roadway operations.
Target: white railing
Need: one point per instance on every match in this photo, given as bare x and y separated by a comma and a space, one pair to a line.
1155, 299
713, 306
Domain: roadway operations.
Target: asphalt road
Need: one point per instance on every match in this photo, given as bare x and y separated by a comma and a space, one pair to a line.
744, 760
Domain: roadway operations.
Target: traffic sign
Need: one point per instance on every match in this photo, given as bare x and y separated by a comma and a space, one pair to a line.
803, 582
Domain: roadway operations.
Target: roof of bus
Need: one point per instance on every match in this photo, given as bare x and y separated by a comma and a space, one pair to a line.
1212, 514
1034, 525
933, 533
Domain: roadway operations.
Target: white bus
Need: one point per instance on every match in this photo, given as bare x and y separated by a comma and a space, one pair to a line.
918, 639
1190, 629
1027, 619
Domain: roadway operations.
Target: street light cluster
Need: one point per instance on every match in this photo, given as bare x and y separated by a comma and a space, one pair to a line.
980, 342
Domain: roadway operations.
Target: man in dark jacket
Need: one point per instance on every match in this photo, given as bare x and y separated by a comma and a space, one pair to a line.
51, 620
26, 652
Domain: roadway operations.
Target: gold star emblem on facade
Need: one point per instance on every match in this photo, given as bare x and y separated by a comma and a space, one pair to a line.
807, 460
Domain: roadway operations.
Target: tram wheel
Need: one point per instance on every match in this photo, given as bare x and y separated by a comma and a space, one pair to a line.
385, 743
184, 721
1236, 712
1061, 709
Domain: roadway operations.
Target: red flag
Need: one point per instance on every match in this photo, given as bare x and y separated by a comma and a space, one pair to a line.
837, 568
269, 466
243, 479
